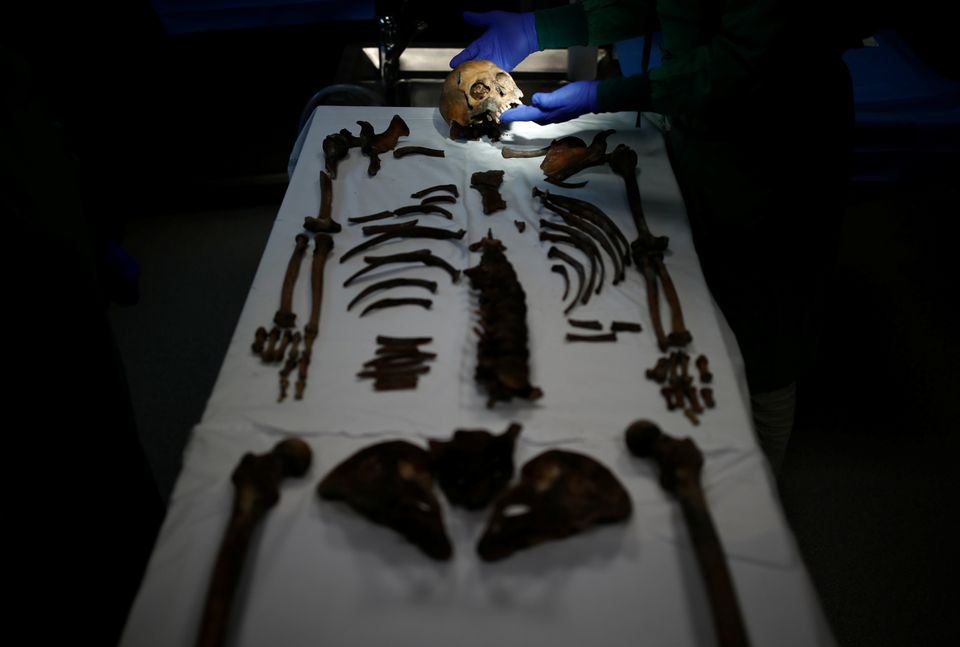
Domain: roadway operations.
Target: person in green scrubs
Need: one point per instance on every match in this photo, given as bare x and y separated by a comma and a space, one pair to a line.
759, 113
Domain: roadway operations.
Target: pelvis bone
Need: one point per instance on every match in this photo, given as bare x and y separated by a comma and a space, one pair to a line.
560, 494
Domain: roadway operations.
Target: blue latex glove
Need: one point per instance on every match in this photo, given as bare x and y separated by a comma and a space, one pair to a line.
510, 38
572, 100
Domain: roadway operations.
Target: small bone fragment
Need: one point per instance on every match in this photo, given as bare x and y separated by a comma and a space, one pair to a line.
703, 367
270, 352
488, 184
707, 394
449, 188
399, 383
680, 463
259, 339
589, 325
393, 371
659, 372
385, 340
382, 304
293, 358
285, 317
403, 151
671, 397
625, 326
395, 362
256, 482
609, 336
282, 351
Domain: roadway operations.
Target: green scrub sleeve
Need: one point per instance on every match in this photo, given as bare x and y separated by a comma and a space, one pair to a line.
626, 93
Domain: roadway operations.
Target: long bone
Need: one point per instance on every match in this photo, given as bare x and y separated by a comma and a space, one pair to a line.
335, 148
679, 335
321, 250
623, 162
680, 463
285, 317
256, 482
324, 222
424, 256
433, 233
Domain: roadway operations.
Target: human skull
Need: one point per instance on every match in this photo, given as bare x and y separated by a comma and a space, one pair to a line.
474, 96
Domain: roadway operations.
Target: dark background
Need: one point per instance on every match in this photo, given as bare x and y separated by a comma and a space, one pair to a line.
177, 145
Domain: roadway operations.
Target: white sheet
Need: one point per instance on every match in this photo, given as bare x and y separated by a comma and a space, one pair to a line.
321, 575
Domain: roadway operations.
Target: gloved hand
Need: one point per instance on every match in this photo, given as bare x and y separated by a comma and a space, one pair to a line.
510, 38
572, 100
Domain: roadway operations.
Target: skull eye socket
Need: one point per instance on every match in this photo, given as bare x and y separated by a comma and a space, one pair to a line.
478, 90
